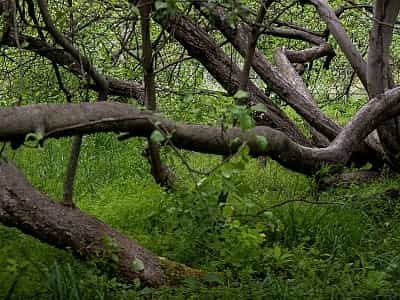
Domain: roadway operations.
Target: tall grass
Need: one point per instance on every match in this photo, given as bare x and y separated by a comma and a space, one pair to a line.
299, 250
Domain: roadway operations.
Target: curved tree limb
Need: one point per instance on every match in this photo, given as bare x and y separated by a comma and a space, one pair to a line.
25, 208
56, 120
201, 46
270, 75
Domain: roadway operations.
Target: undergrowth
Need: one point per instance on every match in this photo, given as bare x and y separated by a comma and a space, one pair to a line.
341, 243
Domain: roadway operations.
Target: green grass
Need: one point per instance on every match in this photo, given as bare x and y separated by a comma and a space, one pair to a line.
298, 250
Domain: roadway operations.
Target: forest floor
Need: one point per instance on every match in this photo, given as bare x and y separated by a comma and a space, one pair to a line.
274, 236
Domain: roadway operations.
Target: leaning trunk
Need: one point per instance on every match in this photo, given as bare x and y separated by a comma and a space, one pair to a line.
23, 207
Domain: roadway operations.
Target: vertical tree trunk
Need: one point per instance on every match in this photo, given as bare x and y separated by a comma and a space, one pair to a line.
71, 170
150, 101
379, 73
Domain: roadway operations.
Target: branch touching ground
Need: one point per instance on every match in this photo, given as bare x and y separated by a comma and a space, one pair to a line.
32, 212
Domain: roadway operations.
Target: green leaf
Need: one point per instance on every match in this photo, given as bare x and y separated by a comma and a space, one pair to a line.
161, 5
240, 94
24, 44
157, 137
33, 140
137, 265
135, 10
213, 278
258, 107
201, 181
277, 252
261, 143
235, 143
115, 258
227, 173
245, 121
228, 211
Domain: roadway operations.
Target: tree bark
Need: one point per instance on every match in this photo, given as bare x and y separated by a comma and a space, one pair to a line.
25, 208
200, 45
287, 87
304, 106
379, 73
346, 45
56, 120
150, 88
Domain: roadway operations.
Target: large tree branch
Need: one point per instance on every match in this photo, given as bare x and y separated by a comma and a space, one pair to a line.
284, 86
346, 45
56, 120
23, 207
201, 46
275, 80
218, 65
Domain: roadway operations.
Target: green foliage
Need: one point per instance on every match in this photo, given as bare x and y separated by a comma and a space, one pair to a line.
157, 137
165, 7
293, 251
137, 265
228, 222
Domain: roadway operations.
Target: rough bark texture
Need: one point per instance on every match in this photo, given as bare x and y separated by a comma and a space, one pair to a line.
275, 80
23, 207
150, 100
346, 45
286, 86
54, 120
200, 46
33, 213
379, 73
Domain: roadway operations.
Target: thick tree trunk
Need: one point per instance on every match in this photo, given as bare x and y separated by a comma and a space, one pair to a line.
201, 46
379, 73
276, 81
287, 87
32, 212
54, 120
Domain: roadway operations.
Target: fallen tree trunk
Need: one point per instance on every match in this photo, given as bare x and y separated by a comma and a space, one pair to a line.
25, 208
